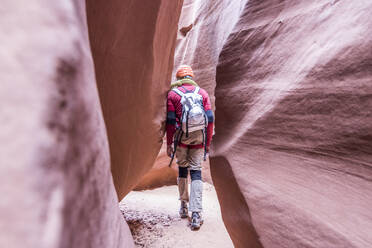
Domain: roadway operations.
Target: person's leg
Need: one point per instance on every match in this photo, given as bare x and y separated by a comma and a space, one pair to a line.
183, 188
196, 191
194, 158
182, 162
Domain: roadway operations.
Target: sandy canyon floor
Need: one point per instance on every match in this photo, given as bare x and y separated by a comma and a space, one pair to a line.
153, 218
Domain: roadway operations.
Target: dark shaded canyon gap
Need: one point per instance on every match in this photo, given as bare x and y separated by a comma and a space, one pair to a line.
294, 123
55, 179
133, 49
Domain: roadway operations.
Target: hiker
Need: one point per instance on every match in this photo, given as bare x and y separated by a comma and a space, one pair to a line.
189, 128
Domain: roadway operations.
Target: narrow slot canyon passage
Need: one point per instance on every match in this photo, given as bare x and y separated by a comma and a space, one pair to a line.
152, 216
151, 210
286, 91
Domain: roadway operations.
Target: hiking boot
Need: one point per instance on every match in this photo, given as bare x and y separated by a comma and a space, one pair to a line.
196, 221
184, 212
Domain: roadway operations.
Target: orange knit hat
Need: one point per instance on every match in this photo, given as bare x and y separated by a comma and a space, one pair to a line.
183, 71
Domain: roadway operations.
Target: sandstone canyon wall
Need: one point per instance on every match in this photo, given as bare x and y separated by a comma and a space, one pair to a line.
160, 174
55, 181
294, 124
133, 48
291, 158
205, 26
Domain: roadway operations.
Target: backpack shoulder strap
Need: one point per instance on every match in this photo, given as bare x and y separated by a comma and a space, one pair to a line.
196, 90
186, 90
178, 92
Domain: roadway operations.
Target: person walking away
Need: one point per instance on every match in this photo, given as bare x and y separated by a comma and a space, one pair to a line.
190, 127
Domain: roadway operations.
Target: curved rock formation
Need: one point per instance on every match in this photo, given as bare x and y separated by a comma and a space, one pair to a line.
160, 174
57, 188
292, 152
208, 24
294, 124
132, 44
55, 181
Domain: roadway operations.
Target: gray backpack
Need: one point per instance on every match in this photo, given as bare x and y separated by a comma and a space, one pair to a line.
193, 114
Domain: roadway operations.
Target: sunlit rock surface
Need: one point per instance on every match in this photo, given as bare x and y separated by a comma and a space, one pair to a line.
55, 181
294, 124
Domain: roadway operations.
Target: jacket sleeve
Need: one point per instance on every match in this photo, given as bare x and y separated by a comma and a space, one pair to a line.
171, 120
209, 113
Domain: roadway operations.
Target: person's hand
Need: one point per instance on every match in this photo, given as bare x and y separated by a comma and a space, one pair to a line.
169, 151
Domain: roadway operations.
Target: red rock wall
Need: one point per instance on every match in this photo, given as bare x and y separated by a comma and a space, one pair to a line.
133, 49
208, 24
160, 174
57, 187
294, 124
55, 181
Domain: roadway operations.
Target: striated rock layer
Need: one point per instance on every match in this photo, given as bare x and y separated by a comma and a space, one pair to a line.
133, 48
55, 181
294, 125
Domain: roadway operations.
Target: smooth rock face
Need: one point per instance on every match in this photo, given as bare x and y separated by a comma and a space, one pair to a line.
55, 181
133, 48
208, 24
294, 124
160, 174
